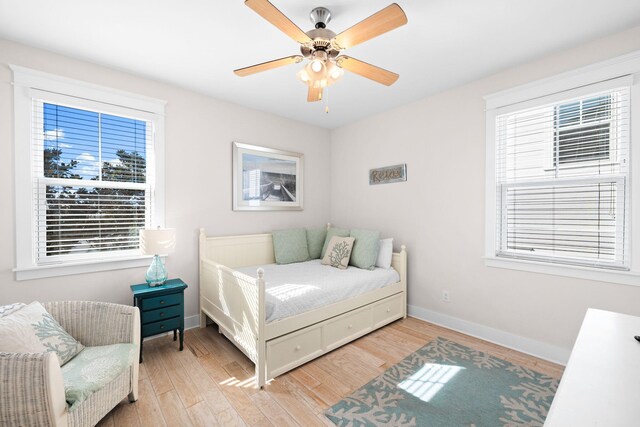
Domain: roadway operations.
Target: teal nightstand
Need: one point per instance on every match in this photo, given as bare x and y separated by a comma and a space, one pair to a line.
161, 309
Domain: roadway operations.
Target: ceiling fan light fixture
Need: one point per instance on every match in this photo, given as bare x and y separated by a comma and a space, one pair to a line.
314, 75
316, 65
303, 76
334, 72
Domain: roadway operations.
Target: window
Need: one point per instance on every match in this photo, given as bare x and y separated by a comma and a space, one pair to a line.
92, 188
93, 177
562, 174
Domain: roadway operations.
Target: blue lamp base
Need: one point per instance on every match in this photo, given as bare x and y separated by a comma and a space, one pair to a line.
157, 273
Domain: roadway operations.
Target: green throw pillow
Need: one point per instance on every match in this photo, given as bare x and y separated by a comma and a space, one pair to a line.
340, 232
315, 241
365, 249
290, 245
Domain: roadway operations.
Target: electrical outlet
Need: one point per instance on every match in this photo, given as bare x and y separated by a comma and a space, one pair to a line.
445, 296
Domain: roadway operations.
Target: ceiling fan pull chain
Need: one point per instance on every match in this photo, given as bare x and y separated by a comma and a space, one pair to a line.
326, 108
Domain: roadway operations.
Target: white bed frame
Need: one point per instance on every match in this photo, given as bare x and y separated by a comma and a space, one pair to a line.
236, 303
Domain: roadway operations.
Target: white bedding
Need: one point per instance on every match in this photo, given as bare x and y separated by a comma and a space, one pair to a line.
293, 289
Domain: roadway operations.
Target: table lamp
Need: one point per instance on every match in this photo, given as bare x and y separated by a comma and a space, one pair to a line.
155, 242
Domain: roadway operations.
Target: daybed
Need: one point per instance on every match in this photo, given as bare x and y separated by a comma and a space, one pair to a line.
236, 302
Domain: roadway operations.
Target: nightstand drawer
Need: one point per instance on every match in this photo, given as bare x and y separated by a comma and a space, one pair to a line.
160, 302
161, 326
161, 314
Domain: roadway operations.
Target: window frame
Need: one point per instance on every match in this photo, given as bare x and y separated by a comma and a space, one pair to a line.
583, 81
32, 84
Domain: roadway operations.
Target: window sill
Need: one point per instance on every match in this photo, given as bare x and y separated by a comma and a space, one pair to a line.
66, 269
613, 276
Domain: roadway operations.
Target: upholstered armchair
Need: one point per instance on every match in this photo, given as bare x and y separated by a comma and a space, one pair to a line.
32, 385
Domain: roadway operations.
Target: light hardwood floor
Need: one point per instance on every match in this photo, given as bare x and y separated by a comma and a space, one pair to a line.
210, 382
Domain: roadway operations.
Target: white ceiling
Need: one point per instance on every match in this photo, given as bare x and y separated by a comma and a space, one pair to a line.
197, 43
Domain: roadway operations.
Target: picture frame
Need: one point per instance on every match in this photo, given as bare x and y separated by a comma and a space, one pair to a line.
266, 179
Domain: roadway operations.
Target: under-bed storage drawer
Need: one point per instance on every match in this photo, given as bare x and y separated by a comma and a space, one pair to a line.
387, 310
294, 349
342, 329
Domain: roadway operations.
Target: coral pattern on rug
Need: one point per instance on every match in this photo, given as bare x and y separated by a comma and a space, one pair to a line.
447, 384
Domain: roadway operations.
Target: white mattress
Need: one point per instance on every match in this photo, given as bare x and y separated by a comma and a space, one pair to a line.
303, 286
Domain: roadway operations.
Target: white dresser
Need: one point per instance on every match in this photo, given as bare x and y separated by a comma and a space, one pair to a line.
601, 384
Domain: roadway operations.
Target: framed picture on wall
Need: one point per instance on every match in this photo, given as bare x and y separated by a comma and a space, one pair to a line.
266, 179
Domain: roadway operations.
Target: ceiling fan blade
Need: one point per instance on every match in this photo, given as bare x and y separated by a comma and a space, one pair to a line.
247, 71
315, 94
279, 19
369, 71
387, 19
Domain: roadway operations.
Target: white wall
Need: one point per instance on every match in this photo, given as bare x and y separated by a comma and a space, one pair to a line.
199, 132
439, 212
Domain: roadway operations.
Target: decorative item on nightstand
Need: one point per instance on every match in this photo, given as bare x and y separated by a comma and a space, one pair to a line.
156, 242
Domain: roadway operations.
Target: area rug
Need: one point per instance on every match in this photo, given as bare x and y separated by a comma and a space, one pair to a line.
447, 384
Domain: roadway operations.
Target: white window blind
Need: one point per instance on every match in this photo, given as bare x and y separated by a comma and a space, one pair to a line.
562, 177
92, 180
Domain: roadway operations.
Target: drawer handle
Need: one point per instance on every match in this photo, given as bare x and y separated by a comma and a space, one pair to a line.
162, 314
161, 326
298, 348
161, 301
388, 310
350, 326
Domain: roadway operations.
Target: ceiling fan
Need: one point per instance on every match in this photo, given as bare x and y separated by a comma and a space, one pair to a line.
322, 46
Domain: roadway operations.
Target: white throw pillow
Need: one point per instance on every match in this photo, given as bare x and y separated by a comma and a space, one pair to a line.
6, 310
385, 253
32, 330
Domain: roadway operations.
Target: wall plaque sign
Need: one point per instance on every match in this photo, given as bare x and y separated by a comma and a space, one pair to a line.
388, 174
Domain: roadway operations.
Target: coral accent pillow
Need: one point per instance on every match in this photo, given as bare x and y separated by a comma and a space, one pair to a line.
32, 330
338, 252
6, 310
341, 232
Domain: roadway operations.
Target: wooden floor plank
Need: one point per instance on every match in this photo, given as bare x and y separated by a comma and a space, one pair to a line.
232, 390
172, 410
107, 421
318, 398
201, 415
188, 394
296, 408
304, 378
210, 383
148, 405
272, 410
206, 386
156, 370
126, 415
326, 377
230, 418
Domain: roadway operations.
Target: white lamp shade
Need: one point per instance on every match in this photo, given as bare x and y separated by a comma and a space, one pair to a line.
157, 241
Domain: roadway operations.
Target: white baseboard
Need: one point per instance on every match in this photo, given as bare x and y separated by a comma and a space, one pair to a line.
535, 348
192, 322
